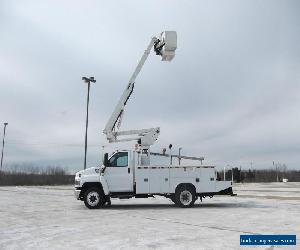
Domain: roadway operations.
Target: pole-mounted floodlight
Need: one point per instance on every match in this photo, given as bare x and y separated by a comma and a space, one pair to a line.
4, 129
87, 80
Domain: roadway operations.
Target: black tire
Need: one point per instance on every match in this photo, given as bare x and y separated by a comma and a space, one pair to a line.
172, 198
185, 196
94, 198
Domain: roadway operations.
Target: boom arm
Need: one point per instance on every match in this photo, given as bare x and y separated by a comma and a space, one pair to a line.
165, 46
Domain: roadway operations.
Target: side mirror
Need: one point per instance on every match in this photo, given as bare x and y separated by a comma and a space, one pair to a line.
105, 160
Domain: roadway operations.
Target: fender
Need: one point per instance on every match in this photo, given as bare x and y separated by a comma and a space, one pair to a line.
104, 185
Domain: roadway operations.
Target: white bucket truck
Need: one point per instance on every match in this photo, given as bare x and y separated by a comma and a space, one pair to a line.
122, 177
128, 174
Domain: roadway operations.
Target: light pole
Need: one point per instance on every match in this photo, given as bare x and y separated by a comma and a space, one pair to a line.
240, 173
277, 179
5, 124
88, 81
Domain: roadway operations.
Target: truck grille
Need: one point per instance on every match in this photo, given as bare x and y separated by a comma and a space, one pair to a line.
77, 183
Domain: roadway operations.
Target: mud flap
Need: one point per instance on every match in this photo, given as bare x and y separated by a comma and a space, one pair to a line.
227, 191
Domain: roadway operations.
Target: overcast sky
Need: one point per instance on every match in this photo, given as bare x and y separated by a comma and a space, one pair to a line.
232, 93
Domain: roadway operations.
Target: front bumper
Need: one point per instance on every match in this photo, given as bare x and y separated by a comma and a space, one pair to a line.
77, 193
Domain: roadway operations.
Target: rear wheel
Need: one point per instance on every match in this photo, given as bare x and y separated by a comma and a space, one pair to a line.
94, 198
185, 196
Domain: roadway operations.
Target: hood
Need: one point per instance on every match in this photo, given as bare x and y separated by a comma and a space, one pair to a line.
89, 171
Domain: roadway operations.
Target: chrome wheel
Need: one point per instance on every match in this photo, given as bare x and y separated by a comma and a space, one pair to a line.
186, 197
93, 198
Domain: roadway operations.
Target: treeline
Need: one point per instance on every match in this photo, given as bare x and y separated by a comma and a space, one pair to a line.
260, 175
21, 175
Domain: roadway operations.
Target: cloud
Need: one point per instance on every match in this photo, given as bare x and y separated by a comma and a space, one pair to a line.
231, 93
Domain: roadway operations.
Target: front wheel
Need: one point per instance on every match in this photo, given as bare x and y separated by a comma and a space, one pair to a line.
94, 198
185, 196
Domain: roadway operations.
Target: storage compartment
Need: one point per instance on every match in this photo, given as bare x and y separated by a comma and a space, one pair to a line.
142, 180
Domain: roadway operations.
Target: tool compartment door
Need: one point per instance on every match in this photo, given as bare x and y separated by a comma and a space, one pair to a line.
165, 180
159, 180
142, 180
207, 180
155, 179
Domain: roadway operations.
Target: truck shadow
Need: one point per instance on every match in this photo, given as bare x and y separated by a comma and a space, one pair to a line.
173, 206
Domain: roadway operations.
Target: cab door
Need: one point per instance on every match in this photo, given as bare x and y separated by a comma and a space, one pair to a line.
118, 174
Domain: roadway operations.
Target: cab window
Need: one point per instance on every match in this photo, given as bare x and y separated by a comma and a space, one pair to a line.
119, 160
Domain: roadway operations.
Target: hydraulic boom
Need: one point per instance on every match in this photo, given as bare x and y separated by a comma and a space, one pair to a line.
164, 45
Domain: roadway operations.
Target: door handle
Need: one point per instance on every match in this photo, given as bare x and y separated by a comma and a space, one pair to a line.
128, 170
